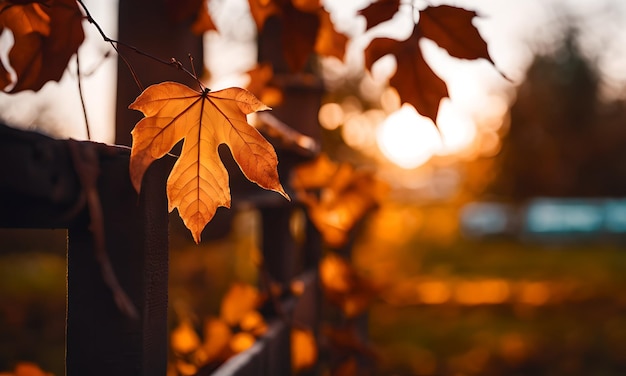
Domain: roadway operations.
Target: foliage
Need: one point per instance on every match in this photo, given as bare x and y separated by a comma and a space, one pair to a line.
49, 32
198, 183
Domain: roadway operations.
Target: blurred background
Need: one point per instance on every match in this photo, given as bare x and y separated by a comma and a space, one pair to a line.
499, 249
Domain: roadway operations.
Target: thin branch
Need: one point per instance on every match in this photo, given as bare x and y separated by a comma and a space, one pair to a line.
174, 63
193, 68
82, 98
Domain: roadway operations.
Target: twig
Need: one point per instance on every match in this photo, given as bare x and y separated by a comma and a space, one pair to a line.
115, 44
86, 164
82, 98
193, 68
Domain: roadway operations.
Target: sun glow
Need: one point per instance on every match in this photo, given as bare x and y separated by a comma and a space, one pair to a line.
407, 138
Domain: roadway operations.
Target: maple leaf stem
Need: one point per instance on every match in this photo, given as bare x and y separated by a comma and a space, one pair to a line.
82, 98
195, 75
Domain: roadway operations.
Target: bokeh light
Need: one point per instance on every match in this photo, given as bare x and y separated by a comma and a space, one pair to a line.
407, 138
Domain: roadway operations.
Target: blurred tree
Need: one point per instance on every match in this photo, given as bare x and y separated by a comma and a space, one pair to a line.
563, 140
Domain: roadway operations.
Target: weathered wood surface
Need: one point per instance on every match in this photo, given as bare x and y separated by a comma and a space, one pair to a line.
40, 189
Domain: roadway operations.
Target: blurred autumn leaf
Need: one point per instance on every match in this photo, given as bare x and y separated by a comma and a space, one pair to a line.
198, 183
26, 369
240, 299
46, 36
239, 325
261, 85
306, 29
336, 196
184, 339
379, 12
452, 29
303, 350
344, 287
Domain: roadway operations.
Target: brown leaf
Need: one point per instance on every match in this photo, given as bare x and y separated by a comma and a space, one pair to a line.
28, 369
303, 350
184, 338
261, 85
415, 82
198, 183
217, 336
46, 37
309, 6
379, 12
241, 341
203, 21
452, 29
238, 301
344, 287
254, 323
344, 196
329, 42
261, 10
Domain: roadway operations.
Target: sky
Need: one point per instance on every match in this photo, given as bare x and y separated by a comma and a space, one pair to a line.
512, 29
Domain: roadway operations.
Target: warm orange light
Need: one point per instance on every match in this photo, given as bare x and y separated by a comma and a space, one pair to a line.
407, 138
433, 292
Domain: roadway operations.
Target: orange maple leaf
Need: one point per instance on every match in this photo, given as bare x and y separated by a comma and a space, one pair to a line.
198, 183
46, 36
306, 28
452, 29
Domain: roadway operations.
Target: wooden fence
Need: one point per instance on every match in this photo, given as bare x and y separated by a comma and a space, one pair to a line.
40, 188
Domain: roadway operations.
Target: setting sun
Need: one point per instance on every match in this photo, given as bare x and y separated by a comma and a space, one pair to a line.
407, 138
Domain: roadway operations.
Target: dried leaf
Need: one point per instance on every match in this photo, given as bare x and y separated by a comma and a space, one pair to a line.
303, 350
254, 323
203, 21
239, 300
46, 36
344, 287
416, 83
309, 6
241, 341
27, 369
344, 196
261, 10
184, 338
379, 12
261, 85
217, 336
198, 183
329, 42
452, 29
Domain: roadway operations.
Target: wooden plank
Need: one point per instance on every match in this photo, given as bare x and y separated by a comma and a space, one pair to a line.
100, 339
43, 190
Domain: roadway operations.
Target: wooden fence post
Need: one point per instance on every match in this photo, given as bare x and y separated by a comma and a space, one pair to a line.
100, 339
41, 189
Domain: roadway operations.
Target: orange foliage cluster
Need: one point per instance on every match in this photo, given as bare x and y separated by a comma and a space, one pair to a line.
26, 369
47, 34
236, 329
337, 196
